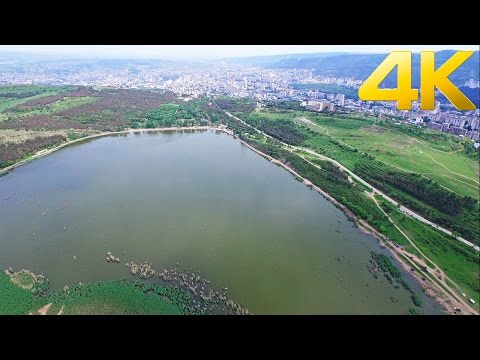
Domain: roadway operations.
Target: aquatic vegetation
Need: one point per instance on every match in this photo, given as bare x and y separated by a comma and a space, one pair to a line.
414, 311
21, 293
120, 297
207, 300
382, 263
416, 300
25, 293
386, 264
404, 285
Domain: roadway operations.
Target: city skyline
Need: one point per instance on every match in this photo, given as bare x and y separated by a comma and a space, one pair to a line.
212, 51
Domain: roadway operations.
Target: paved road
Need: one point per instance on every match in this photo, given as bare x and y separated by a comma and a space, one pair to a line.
359, 179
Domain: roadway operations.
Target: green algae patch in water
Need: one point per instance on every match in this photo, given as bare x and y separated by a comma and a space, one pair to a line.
383, 264
120, 297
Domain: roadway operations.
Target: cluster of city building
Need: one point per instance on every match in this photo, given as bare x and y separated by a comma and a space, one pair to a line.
325, 105
262, 84
463, 125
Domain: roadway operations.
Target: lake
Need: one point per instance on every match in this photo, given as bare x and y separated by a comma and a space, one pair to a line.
201, 199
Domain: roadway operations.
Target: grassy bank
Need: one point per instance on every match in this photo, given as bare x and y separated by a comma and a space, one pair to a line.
456, 209
457, 260
460, 262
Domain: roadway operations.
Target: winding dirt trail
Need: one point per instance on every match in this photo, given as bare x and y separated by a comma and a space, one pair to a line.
438, 150
446, 168
459, 302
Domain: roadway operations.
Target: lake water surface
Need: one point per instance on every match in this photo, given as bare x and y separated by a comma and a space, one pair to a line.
200, 199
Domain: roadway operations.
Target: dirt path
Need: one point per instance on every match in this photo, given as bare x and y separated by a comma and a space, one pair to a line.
434, 160
413, 139
307, 121
446, 168
404, 209
459, 302
448, 301
463, 182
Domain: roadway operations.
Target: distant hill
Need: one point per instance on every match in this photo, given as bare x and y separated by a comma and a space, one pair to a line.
42, 57
472, 94
272, 61
39, 57
360, 66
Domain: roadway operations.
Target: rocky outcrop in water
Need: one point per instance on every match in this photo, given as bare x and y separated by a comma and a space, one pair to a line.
205, 299
144, 270
37, 284
111, 258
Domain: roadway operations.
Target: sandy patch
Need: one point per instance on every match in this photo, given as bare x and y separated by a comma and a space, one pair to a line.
44, 309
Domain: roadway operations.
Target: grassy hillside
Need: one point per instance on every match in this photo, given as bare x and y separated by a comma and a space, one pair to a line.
34, 118
438, 156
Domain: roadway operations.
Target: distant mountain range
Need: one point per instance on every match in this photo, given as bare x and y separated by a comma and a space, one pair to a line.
273, 60
36, 57
41, 58
360, 66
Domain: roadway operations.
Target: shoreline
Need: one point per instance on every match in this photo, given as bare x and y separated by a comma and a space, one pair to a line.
442, 298
44, 152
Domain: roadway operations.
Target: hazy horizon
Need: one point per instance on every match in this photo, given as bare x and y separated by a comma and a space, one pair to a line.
212, 51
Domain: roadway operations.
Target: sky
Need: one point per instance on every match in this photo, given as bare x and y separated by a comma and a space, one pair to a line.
214, 51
